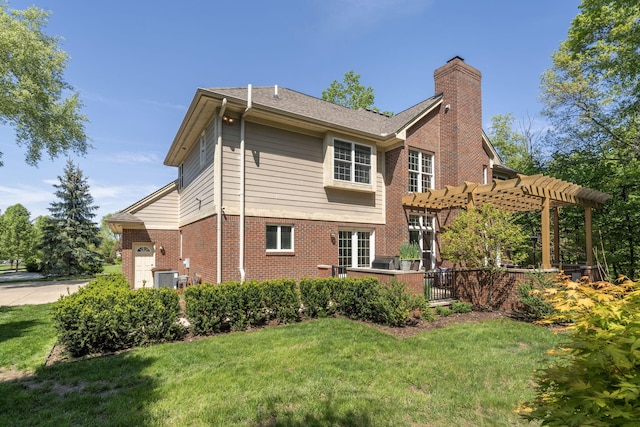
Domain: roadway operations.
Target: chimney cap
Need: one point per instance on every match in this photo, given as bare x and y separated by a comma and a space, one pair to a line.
456, 57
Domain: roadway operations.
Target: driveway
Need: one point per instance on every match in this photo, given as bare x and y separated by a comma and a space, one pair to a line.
22, 290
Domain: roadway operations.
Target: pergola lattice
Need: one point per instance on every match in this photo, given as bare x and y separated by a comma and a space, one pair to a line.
521, 194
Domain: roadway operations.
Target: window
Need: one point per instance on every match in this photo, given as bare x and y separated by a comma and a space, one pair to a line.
420, 171
279, 238
203, 149
351, 162
421, 231
355, 248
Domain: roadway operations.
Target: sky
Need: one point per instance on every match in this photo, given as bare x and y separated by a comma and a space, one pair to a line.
137, 65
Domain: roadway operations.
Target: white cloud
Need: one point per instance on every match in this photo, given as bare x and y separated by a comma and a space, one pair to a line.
130, 158
166, 104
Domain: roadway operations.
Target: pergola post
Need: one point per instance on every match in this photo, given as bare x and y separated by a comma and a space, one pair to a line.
546, 233
588, 236
556, 235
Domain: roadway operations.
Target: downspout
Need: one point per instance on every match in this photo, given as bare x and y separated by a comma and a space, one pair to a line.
242, 185
218, 190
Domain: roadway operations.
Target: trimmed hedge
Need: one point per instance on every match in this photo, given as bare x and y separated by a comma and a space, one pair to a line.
106, 315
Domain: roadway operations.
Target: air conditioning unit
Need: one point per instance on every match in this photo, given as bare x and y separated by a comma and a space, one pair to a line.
165, 279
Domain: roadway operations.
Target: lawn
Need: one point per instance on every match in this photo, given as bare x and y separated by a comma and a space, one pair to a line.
318, 373
112, 269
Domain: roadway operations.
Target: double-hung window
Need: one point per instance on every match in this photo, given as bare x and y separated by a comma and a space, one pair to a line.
355, 248
279, 238
351, 162
420, 171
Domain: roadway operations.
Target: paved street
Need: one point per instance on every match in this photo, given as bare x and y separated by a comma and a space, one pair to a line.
26, 291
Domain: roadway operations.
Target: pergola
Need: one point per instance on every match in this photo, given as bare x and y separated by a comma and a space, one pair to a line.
522, 194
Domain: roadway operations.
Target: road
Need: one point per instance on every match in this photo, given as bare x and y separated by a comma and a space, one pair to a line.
22, 289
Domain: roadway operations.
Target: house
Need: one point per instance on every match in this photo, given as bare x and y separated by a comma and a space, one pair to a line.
275, 183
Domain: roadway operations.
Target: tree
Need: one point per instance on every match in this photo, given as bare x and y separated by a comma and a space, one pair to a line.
592, 97
350, 93
109, 240
70, 237
32, 88
517, 150
483, 238
18, 235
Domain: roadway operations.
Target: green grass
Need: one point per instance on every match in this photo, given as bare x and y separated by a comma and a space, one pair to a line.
112, 268
26, 336
319, 373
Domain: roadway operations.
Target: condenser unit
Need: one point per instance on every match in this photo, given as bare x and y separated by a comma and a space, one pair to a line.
165, 279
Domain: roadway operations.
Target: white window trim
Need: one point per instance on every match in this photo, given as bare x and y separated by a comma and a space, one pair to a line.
328, 166
420, 173
422, 227
279, 238
354, 245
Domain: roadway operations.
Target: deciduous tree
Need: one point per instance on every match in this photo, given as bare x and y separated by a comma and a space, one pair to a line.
350, 93
34, 97
18, 235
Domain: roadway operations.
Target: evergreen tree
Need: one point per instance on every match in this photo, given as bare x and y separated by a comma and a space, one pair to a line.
70, 237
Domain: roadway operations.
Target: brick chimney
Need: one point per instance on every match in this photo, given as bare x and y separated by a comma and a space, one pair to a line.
461, 150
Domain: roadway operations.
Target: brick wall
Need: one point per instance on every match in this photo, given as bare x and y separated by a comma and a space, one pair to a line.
462, 154
313, 247
169, 239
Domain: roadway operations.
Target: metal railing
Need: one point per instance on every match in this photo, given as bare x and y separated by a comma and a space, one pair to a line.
440, 285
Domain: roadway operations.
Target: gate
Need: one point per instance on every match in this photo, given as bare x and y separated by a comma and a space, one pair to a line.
440, 285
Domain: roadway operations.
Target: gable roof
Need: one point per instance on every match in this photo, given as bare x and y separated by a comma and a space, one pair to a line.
275, 104
126, 218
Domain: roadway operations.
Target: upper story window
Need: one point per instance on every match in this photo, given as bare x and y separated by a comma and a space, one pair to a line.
351, 162
420, 171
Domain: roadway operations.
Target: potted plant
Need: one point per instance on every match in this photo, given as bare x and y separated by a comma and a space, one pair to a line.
409, 253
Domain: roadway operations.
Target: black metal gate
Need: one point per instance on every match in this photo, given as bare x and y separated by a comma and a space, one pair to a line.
440, 284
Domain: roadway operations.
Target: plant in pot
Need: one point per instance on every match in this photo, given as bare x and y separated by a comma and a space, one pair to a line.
409, 253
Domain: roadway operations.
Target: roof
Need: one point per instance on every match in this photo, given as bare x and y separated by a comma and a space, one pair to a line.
274, 105
291, 102
126, 218
524, 193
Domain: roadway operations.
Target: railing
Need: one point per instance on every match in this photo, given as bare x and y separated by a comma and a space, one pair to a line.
338, 271
440, 285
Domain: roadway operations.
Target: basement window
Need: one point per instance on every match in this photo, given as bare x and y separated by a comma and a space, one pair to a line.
279, 238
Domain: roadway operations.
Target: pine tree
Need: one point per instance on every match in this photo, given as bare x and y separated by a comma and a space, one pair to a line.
70, 237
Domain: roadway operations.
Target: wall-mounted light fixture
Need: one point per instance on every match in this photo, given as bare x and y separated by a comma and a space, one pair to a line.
228, 120
447, 108
333, 237
161, 249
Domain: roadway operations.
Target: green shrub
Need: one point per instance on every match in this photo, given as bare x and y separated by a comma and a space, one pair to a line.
534, 307
443, 311
32, 266
395, 305
595, 378
105, 316
461, 307
318, 297
281, 300
358, 298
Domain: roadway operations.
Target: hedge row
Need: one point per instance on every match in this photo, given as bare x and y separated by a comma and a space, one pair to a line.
106, 315
236, 306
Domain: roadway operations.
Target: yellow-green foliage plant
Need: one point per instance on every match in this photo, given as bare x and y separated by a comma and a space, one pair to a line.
594, 379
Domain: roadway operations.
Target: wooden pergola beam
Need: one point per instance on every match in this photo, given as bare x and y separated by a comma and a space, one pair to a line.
521, 194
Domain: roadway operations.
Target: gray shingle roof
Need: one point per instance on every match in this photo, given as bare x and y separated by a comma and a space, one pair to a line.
291, 102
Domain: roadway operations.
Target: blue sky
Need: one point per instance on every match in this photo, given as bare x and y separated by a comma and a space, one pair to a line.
137, 65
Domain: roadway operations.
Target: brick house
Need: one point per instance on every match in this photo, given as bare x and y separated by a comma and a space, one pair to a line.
275, 183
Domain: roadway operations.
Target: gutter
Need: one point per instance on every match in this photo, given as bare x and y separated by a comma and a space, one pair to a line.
218, 190
242, 185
